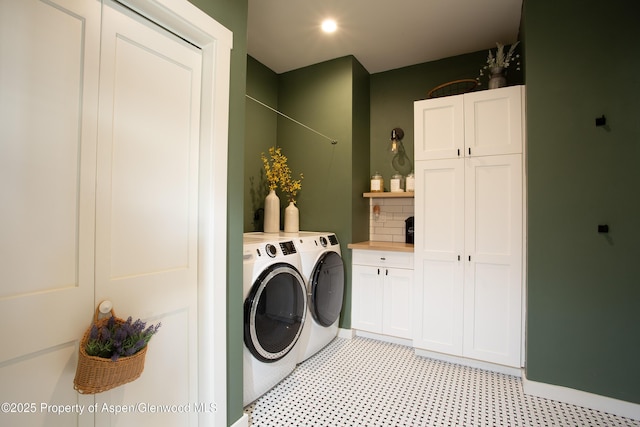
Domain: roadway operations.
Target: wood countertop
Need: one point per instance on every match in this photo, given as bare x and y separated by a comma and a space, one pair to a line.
382, 246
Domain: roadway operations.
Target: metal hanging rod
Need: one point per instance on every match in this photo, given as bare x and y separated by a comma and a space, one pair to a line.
333, 141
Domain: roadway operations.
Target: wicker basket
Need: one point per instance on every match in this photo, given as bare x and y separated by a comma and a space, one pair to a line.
97, 374
456, 87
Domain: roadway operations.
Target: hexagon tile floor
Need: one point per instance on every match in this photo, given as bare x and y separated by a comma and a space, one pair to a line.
364, 382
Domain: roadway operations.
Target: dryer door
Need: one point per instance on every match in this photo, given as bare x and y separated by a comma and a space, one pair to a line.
327, 288
274, 312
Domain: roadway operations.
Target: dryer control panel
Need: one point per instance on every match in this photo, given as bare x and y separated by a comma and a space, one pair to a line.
287, 248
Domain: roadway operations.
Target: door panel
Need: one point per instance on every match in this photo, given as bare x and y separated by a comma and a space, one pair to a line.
397, 310
147, 205
42, 381
493, 121
439, 128
490, 315
439, 247
48, 109
367, 299
439, 325
493, 285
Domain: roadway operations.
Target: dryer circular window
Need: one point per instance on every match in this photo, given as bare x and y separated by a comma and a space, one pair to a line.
274, 312
326, 289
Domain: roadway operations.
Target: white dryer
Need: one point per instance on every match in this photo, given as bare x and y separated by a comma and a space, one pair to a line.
275, 307
323, 269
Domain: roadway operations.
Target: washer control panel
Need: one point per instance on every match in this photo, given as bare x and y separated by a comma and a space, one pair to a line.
287, 248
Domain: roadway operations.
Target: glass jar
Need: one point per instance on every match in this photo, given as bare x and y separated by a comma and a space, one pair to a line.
377, 183
411, 182
396, 183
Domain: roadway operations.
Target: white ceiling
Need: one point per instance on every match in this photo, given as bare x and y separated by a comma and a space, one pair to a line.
383, 35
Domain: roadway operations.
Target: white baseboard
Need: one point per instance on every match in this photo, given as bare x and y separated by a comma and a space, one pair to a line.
517, 372
581, 398
385, 338
243, 421
346, 333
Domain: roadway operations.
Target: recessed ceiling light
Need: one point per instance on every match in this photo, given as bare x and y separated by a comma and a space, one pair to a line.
329, 26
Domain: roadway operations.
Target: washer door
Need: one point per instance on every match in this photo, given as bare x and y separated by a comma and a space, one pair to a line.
274, 312
327, 288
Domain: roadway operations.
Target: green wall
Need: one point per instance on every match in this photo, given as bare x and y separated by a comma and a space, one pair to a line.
261, 133
332, 98
583, 287
233, 15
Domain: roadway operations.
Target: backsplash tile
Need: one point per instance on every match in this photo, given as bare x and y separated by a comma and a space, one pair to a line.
390, 226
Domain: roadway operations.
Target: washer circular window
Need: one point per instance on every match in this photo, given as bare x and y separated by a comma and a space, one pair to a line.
327, 288
274, 312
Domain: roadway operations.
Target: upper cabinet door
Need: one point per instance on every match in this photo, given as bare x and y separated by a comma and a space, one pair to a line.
493, 121
439, 128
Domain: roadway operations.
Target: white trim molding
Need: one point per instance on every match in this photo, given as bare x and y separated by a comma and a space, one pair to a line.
473, 363
346, 333
243, 421
581, 398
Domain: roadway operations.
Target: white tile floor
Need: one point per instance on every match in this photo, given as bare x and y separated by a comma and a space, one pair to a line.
364, 382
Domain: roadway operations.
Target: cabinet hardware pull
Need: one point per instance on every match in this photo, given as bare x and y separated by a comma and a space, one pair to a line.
469, 257
458, 257
458, 152
386, 272
382, 258
378, 272
469, 150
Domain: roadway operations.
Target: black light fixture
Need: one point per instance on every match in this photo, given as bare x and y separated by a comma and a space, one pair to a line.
396, 140
400, 161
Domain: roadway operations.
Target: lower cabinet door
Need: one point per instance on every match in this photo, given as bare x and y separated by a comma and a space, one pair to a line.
367, 298
397, 312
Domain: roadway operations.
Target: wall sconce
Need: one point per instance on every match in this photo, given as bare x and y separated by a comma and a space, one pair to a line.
400, 161
396, 140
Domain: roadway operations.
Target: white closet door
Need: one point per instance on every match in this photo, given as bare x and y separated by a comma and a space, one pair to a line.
439, 270
49, 58
147, 205
493, 285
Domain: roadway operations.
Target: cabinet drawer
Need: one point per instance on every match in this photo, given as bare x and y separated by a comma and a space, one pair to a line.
383, 258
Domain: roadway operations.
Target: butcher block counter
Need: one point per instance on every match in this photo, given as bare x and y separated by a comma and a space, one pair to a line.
382, 246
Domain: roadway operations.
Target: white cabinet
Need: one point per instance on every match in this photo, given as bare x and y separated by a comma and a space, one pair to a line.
474, 124
469, 252
382, 292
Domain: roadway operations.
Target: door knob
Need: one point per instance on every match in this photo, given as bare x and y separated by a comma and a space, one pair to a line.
105, 307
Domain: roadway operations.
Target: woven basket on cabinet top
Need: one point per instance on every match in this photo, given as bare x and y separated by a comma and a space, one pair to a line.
456, 87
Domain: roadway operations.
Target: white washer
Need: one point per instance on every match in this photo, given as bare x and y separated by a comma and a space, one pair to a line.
275, 307
323, 270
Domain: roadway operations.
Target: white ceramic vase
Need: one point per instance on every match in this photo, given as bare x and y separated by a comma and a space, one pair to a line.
272, 213
291, 218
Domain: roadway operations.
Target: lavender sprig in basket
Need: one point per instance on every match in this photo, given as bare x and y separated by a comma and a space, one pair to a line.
114, 340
